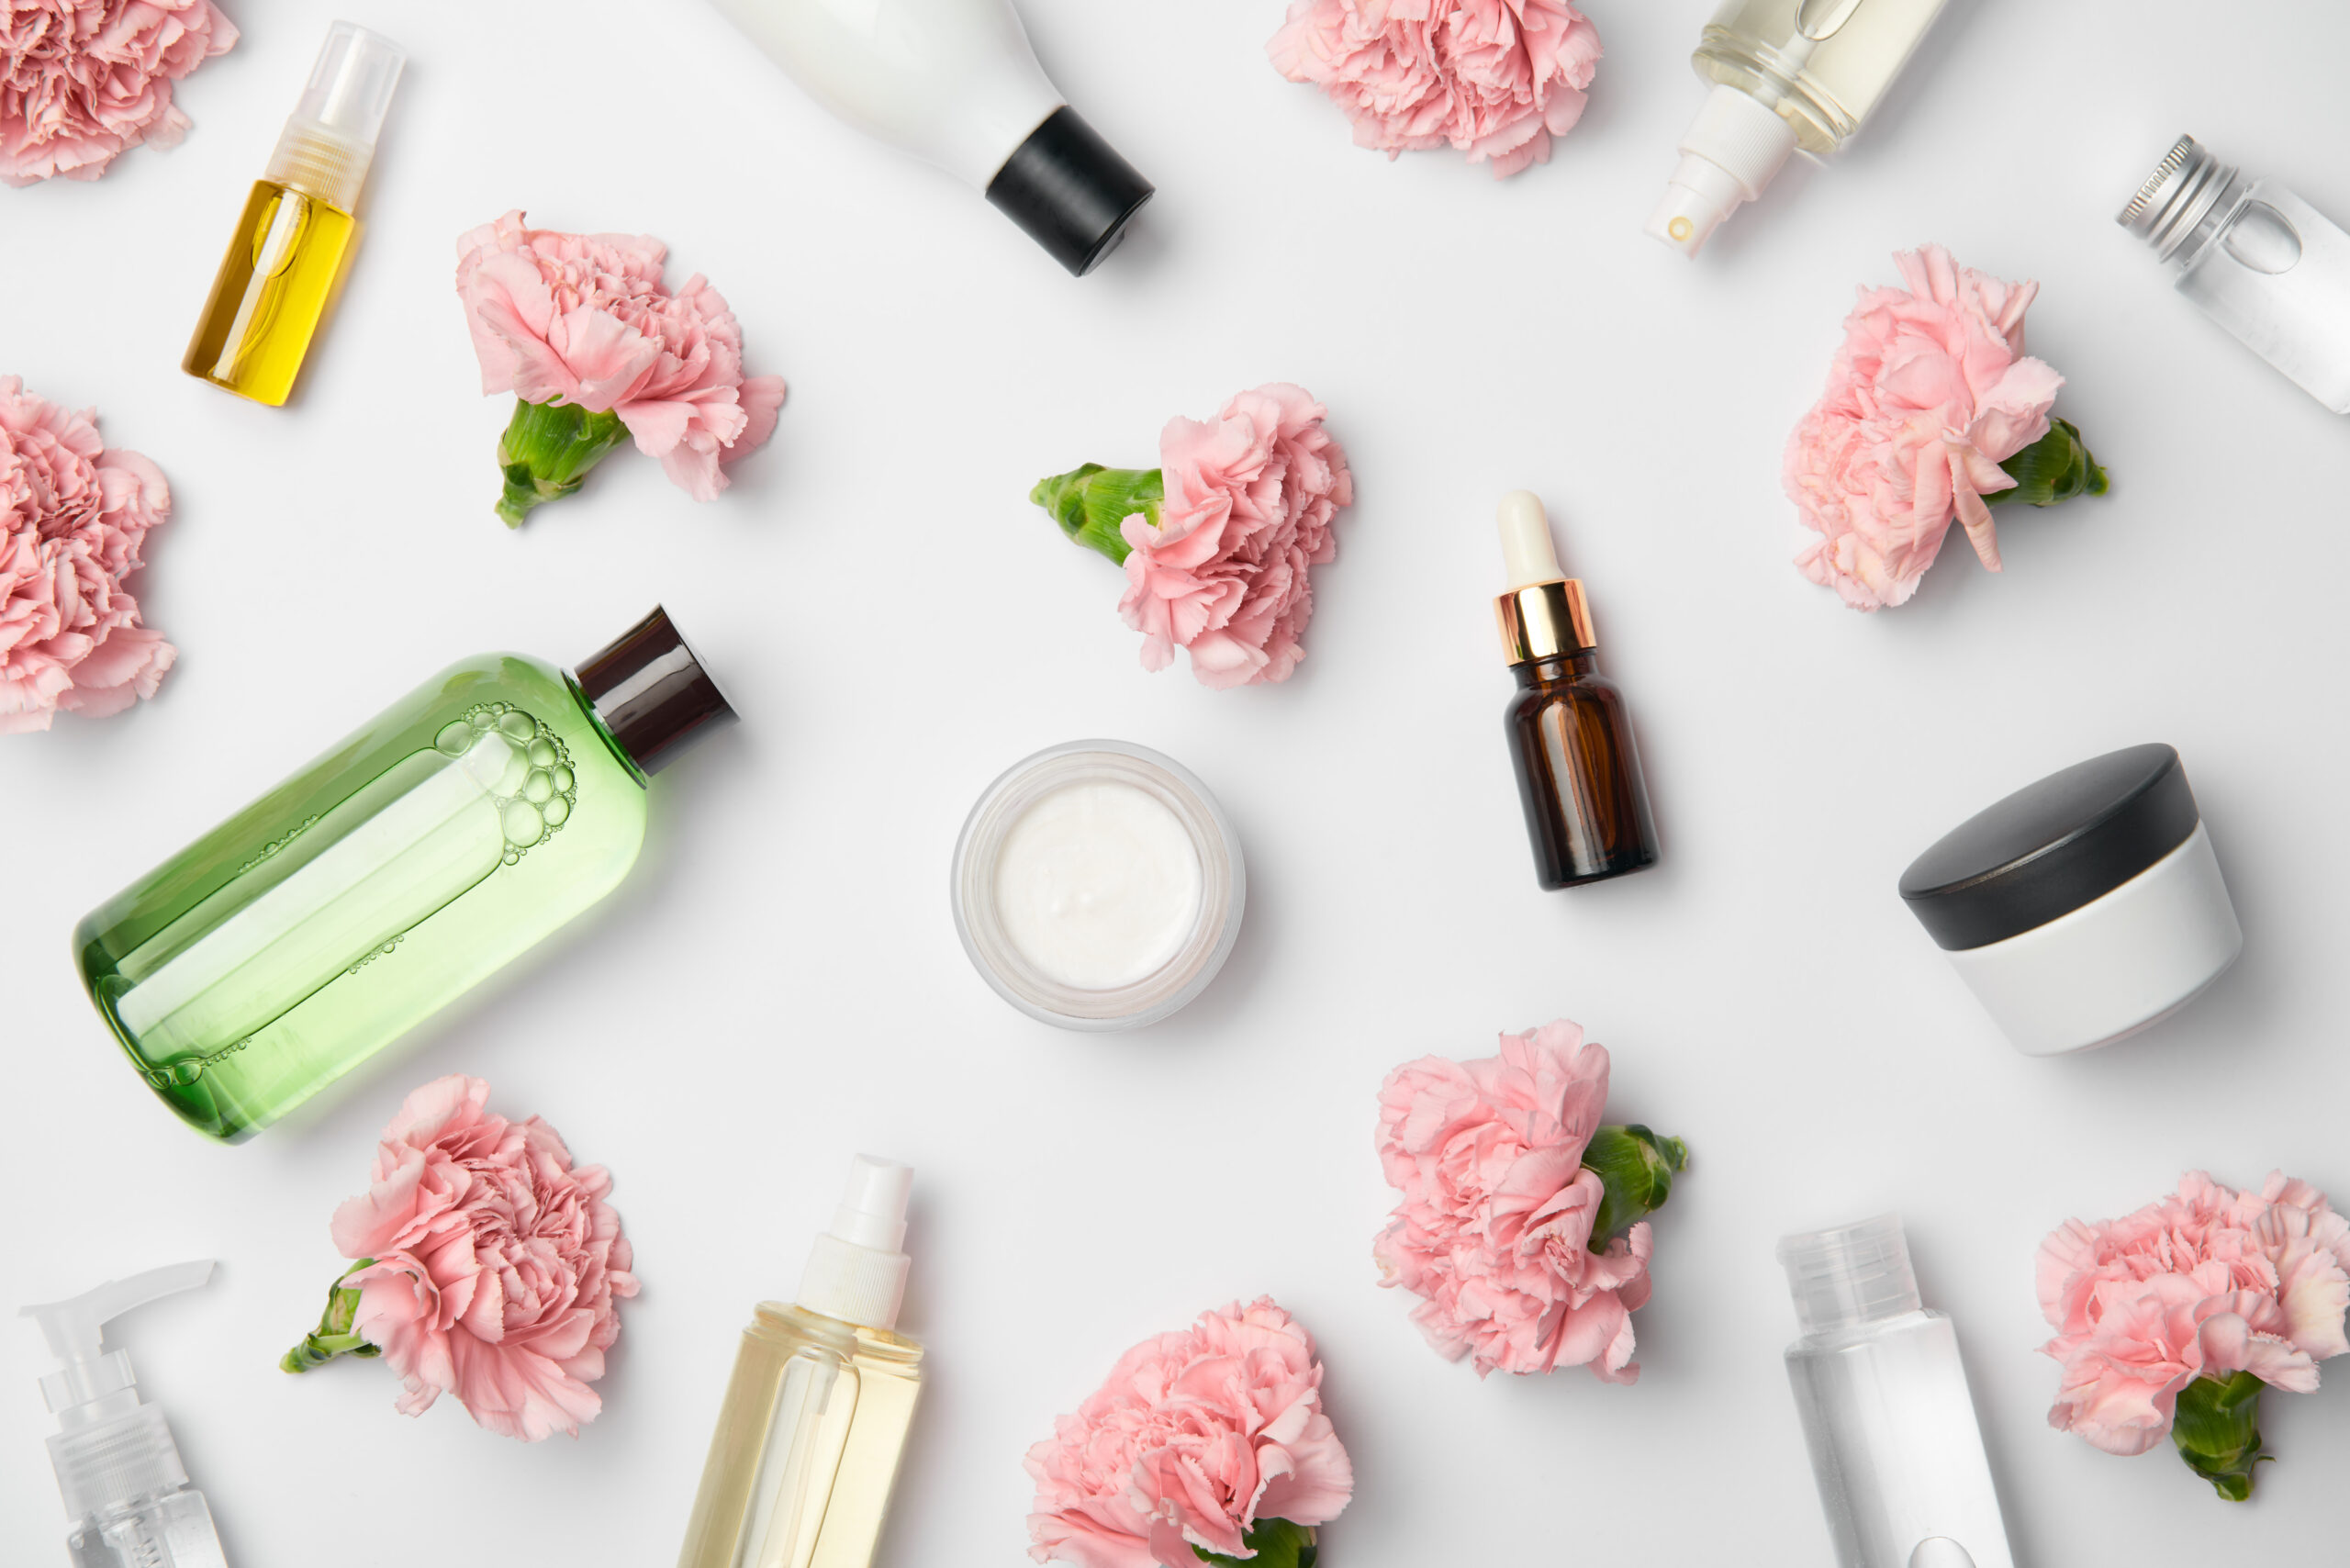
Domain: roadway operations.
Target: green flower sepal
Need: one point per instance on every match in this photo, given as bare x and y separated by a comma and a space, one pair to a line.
1277, 1543
2054, 468
546, 452
1091, 502
2217, 1432
334, 1336
1636, 1166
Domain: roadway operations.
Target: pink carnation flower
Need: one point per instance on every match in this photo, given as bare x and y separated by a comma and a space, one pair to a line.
584, 320
1196, 1438
2203, 1285
1495, 78
1223, 574
1930, 394
82, 81
73, 516
493, 1269
1495, 1227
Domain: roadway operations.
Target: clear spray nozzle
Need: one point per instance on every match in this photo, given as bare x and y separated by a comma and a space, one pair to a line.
75, 1331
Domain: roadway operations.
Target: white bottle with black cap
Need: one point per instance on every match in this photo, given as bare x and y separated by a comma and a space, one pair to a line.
116, 1465
823, 1396
954, 83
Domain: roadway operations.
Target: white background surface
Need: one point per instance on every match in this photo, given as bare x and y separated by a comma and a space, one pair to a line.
779, 985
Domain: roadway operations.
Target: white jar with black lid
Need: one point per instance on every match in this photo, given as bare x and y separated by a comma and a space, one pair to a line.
2084, 908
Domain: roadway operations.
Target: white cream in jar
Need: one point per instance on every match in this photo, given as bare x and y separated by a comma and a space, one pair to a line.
1097, 886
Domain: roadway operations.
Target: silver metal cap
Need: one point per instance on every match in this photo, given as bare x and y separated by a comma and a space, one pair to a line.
2177, 196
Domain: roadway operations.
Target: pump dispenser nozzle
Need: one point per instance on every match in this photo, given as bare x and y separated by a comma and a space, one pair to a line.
856, 1272
116, 1465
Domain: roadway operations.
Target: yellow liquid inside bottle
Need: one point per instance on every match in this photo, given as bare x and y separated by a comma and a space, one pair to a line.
807, 1445
1823, 64
271, 291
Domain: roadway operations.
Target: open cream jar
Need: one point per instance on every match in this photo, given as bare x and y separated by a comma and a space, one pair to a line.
1098, 886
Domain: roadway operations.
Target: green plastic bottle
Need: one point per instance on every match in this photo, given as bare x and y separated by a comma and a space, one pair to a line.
455, 829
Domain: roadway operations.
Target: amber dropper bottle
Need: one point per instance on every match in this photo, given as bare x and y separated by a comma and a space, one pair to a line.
289, 245
1586, 805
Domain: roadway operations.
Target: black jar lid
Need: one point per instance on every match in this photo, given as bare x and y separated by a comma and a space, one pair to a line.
2050, 847
1070, 190
653, 693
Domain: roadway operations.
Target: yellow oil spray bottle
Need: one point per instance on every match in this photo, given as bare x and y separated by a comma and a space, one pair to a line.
296, 229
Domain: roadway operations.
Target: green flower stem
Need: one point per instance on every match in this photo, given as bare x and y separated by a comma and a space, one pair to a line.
1636, 1168
1090, 502
1277, 1543
546, 452
2054, 468
334, 1335
2217, 1432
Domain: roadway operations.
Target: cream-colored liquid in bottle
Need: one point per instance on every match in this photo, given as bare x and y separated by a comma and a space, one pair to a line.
1786, 73
823, 1396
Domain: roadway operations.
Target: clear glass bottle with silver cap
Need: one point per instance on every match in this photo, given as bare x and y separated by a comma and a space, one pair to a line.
1886, 1413
409, 863
297, 227
2259, 260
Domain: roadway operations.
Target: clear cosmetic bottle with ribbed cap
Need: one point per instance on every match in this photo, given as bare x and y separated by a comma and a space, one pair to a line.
1783, 74
296, 228
117, 1467
955, 83
417, 856
2260, 261
1569, 733
823, 1396
1886, 1413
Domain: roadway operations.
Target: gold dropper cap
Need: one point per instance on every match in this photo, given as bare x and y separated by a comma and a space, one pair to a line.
1543, 615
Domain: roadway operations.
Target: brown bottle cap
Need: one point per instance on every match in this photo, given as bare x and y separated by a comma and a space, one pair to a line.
652, 692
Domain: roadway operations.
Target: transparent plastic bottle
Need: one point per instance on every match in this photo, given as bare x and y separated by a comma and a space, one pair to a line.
816, 1415
1786, 73
410, 862
117, 1467
1886, 1409
2259, 260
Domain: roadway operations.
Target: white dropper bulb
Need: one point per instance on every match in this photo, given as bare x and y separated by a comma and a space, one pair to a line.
856, 1272
1526, 549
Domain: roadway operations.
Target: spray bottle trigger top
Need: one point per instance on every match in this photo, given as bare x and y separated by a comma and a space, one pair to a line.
75, 1328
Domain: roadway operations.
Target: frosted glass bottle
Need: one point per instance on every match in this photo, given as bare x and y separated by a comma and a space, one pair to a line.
1886, 1409
411, 861
823, 1396
1786, 73
2259, 260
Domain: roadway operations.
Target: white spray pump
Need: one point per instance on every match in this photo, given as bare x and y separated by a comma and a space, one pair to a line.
116, 1465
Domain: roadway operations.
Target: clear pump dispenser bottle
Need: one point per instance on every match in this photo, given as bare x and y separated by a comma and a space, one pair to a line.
823, 1396
410, 862
289, 246
118, 1468
1784, 73
1886, 1409
2259, 260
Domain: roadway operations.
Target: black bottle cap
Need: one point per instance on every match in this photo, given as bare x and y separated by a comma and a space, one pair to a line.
653, 693
2049, 848
1070, 190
